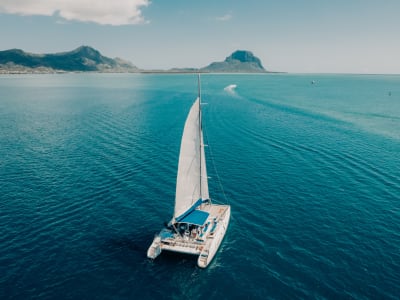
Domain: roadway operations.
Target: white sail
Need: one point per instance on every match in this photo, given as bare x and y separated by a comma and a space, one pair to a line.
191, 182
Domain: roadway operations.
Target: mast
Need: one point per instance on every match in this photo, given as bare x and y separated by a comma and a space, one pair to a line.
200, 129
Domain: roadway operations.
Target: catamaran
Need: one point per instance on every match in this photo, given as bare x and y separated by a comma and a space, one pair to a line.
197, 226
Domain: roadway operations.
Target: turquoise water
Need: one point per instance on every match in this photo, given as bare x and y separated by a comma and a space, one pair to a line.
312, 172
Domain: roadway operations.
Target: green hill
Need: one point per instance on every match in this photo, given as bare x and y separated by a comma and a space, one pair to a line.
82, 59
240, 61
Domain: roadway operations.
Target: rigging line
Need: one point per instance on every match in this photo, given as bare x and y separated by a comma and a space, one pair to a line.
214, 167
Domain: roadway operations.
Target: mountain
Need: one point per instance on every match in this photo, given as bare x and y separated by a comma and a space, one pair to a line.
82, 59
87, 59
240, 61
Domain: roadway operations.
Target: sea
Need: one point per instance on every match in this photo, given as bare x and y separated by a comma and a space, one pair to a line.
310, 164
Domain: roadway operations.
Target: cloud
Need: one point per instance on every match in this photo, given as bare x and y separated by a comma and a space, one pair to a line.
224, 18
105, 12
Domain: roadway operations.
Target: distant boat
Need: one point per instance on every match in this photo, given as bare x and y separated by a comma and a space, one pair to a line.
230, 88
197, 226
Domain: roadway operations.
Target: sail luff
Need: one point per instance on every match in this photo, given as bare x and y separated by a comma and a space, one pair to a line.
201, 153
203, 169
204, 177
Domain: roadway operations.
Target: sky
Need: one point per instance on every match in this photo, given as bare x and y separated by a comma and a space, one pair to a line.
299, 36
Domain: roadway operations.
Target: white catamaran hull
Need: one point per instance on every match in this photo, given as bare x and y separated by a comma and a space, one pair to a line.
205, 244
213, 243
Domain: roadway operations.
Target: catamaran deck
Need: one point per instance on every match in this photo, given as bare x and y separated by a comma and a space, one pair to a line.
201, 240
195, 240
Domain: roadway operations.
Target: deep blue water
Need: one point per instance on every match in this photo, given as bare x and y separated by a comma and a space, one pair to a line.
312, 171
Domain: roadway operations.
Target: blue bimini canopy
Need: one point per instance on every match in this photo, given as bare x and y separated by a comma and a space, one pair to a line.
195, 217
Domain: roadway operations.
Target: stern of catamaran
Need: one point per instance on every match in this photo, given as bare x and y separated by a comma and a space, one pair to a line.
155, 248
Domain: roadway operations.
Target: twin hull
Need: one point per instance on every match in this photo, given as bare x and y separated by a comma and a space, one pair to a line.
205, 246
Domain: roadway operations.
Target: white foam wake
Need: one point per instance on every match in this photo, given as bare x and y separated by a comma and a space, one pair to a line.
231, 88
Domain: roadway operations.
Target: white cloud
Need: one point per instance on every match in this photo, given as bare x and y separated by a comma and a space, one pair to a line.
224, 18
105, 12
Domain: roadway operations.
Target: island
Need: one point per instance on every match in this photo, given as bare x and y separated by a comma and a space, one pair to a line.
88, 59
82, 59
240, 61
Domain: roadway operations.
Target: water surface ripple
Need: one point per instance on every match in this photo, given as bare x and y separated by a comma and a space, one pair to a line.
87, 177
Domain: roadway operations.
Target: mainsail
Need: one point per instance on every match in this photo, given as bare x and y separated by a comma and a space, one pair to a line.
191, 182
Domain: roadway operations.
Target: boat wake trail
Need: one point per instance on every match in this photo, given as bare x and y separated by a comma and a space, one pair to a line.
231, 89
